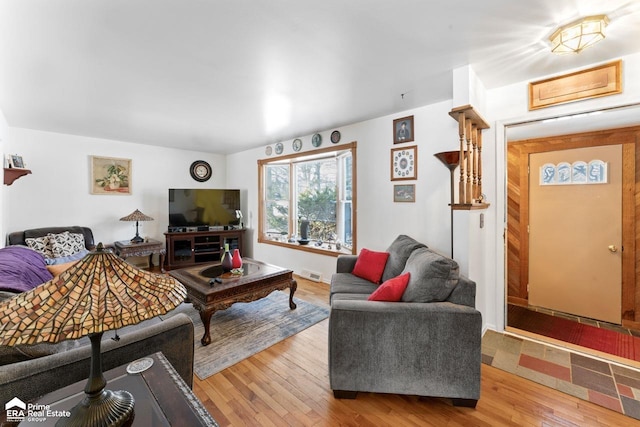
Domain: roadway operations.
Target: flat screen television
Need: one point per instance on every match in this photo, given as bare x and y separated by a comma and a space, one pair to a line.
203, 207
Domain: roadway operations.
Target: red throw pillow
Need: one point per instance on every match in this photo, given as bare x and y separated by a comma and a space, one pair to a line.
370, 265
392, 289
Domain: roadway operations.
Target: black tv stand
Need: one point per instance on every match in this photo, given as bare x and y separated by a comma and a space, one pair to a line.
197, 247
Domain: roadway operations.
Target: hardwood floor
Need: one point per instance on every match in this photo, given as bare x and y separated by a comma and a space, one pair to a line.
288, 384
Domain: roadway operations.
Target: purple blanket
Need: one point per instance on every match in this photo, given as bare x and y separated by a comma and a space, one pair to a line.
22, 269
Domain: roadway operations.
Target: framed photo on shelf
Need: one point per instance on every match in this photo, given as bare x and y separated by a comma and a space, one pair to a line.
404, 163
16, 161
404, 193
110, 176
403, 130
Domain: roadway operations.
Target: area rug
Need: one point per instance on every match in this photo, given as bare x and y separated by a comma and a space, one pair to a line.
611, 385
245, 329
601, 339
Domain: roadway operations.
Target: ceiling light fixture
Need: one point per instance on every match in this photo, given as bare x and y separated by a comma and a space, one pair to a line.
578, 35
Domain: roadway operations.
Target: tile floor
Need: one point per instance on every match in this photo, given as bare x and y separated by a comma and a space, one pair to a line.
607, 384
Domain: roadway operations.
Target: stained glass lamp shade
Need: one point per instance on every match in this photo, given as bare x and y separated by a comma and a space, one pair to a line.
136, 216
99, 293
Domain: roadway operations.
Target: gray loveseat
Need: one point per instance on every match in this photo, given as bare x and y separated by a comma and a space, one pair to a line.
407, 347
28, 372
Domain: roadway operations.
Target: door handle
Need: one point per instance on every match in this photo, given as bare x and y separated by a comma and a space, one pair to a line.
613, 248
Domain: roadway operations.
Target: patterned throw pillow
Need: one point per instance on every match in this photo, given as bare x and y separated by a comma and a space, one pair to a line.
65, 244
40, 244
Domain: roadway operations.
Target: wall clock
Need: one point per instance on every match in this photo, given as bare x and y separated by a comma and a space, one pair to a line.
404, 163
200, 170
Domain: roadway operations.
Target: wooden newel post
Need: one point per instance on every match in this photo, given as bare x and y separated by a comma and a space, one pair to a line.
469, 191
470, 126
479, 195
461, 161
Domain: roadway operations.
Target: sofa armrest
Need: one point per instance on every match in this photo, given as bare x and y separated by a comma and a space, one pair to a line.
36, 377
464, 292
426, 349
345, 263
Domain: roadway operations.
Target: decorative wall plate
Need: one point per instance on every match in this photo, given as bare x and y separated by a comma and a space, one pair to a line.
335, 136
297, 144
279, 148
404, 163
200, 170
268, 150
316, 140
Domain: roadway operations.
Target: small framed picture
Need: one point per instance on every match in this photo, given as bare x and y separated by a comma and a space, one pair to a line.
16, 161
110, 175
404, 193
404, 163
403, 130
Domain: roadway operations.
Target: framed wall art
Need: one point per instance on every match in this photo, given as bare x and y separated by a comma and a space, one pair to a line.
17, 161
110, 175
404, 163
404, 193
403, 130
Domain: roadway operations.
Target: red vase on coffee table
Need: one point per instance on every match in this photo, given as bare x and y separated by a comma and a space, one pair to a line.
236, 260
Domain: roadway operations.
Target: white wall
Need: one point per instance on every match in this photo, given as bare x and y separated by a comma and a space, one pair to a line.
4, 137
380, 220
57, 191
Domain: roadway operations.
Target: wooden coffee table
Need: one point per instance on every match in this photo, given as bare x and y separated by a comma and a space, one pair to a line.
209, 290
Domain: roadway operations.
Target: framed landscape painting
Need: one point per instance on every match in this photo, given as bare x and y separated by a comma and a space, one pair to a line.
404, 193
110, 175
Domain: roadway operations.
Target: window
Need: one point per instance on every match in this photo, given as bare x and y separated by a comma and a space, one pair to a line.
308, 200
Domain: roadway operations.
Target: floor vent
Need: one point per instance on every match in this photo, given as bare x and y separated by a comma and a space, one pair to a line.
311, 275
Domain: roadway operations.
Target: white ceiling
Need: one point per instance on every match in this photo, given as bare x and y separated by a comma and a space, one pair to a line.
225, 76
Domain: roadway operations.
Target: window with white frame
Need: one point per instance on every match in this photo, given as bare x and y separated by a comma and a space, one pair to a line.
308, 200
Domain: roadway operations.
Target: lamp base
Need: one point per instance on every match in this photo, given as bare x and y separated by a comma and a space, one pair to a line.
137, 239
109, 408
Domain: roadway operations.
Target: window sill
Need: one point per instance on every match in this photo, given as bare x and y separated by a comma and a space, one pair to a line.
311, 247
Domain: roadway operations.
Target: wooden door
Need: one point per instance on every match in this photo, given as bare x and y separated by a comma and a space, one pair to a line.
575, 231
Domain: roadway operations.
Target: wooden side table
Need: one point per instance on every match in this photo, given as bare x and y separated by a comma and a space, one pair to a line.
162, 398
125, 249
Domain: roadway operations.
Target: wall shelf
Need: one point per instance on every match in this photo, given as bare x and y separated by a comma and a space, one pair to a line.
11, 174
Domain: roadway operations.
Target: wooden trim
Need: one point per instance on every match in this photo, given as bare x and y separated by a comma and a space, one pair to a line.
629, 300
303, 154
469, 206
352, 147
523, 302
593, 82
306, 248
518, 208
354, 198
469, 113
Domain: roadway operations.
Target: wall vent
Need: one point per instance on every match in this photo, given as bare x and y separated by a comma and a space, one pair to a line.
311, 275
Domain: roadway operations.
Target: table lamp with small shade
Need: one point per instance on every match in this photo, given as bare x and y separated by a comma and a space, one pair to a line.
136, 216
